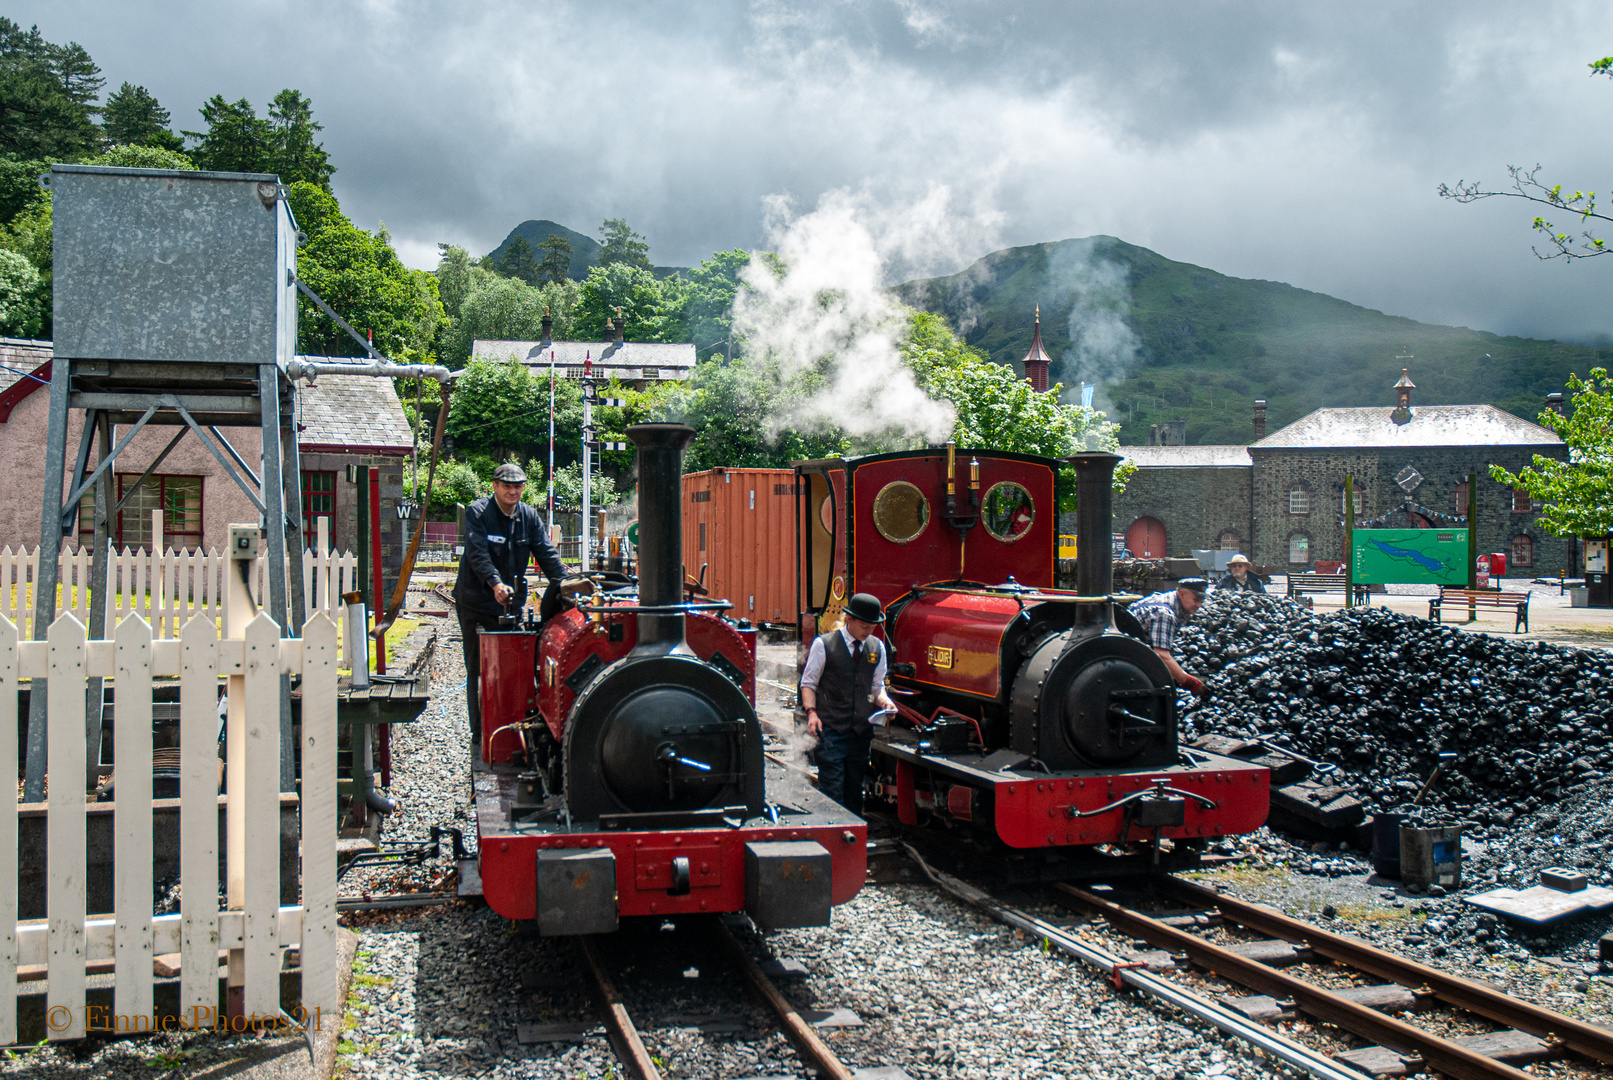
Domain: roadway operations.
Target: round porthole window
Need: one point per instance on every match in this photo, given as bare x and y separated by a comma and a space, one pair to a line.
901, 511
1007, 511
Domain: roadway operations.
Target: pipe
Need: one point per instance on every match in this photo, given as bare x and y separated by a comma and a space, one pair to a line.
1094, 520
660, 533
301, 367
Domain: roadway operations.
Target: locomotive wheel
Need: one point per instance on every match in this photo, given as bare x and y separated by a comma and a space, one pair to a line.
1063, 700
639, 733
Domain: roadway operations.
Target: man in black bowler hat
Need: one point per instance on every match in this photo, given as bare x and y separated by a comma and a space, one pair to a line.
842, 685
502, 535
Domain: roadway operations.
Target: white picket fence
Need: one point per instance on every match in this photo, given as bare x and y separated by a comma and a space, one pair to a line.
167, 588
132, 935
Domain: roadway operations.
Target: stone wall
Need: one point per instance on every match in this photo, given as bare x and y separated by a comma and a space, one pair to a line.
1197, 505
1278, 472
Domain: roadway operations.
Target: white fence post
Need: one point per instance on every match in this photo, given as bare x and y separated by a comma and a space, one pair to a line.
65, 828
131, 734
319, 985
198, 817
9, 639
261, 795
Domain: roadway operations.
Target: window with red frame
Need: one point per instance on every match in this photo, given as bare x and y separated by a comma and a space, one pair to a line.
1523, 550
1521, 502
178, 497
318, 500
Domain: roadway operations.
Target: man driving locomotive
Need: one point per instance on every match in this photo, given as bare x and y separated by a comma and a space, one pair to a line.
502, 535
842, 685
1161, 614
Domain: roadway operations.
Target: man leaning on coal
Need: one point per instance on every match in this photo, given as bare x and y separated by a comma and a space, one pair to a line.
842, 685
1161, 614
502, 535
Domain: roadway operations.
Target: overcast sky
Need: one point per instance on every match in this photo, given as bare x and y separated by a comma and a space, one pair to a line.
1299, 142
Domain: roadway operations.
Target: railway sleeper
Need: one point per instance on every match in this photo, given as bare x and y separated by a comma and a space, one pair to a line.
1512, 1047
1386, 997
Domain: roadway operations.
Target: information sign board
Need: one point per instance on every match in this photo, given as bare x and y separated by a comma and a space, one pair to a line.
1410, 557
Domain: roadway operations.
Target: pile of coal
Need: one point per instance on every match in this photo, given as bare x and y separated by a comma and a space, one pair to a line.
1382, 694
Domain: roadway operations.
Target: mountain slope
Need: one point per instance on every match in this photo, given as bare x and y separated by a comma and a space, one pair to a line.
1172, 341
584, 249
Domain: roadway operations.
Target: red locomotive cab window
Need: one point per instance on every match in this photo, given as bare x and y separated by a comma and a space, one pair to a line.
1008, 511
901, 512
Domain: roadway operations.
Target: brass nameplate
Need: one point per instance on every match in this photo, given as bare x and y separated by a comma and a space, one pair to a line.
939, 657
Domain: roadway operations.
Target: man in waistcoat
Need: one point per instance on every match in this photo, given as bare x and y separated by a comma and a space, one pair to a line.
842, 685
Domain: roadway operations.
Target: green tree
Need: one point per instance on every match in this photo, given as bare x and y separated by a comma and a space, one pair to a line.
504, 309
729, 406
455, 483
134, 117
704, 314
568, 488
19, 184
360, 276
293, 154
458, 275
19, 296
556, 264
1577, 493
1526, 184
499, 409
47, 96
519, 262
236, 140
620, 244
620, 285
144, 157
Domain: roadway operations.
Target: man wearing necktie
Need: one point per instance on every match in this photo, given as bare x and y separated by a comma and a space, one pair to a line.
842, 685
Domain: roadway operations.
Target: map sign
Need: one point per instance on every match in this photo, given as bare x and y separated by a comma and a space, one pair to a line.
1410, 556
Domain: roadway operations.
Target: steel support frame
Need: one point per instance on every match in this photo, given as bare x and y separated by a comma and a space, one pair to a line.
278, 499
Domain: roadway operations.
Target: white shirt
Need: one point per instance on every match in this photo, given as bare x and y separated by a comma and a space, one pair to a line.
817, 656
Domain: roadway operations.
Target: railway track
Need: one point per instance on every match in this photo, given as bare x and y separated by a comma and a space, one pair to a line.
629, 1045
1377, 1011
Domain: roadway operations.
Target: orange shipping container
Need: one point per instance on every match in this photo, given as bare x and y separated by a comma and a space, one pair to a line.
740, 525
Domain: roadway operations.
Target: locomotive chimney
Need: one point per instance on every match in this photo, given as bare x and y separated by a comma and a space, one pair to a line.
660, 532
1094, 513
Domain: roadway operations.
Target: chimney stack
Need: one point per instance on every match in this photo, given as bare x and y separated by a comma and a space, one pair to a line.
1260, 419
1554, 402
619, 324
548, 327
1403, 389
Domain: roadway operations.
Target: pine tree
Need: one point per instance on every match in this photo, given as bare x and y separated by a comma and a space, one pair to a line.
236, 140
556, 264
47, 96
622, 245
133, 117
519, 262
293, 153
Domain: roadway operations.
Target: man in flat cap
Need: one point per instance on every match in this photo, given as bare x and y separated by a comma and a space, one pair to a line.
1161, 614
1238, 578
842, 685
502, 535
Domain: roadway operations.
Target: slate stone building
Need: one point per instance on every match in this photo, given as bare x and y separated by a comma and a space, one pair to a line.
1280, 499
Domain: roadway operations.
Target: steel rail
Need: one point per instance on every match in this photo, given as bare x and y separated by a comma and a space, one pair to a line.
1284, 1049
389, 901
799, 1032
624, 1036
1437, 1053
1576, 1035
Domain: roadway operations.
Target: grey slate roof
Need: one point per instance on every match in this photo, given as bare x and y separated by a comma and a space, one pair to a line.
1430, 425
1213, 456
358, 411
624, 359
21, 355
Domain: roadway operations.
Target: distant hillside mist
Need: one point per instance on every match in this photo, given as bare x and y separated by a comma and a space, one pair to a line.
1171, 341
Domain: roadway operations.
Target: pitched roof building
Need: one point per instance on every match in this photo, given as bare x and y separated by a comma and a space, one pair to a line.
633, 363
1280, 499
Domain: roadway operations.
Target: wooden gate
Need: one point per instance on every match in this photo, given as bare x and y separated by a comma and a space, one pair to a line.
1146, 538
253, 927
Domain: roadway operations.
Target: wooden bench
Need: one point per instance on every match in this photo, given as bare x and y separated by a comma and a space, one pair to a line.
1324, 583
1482, 598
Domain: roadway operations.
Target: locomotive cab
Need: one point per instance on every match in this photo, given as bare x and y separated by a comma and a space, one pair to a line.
1035, 725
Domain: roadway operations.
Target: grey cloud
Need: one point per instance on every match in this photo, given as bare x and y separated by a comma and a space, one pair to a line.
1299, 142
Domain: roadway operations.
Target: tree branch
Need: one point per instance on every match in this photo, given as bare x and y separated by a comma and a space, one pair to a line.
1527, 186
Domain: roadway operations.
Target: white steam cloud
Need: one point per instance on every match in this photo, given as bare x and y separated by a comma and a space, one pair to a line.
1103, 349
822, 321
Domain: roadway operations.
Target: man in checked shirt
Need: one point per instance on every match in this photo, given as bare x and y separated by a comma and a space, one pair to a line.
1161, 614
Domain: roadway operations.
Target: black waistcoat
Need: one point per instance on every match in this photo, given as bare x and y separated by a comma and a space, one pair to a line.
843, 694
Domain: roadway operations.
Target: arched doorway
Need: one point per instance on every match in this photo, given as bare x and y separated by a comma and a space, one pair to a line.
1146, 538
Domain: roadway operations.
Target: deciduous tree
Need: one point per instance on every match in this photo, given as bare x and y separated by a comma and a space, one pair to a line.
1577, 493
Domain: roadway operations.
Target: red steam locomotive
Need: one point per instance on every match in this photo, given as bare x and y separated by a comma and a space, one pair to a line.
621, 768
1037, 729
